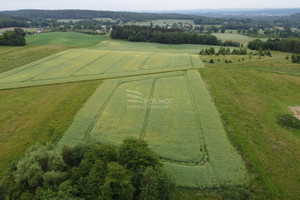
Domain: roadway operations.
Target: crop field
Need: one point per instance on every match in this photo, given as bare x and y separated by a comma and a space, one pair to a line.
85, 64
174, 113
233, 37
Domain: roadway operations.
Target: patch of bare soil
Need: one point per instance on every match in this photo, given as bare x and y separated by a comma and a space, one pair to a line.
296, 111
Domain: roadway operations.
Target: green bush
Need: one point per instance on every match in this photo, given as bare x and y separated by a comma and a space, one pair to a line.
287, 120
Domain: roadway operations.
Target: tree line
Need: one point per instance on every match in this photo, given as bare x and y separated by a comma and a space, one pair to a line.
223, 51
90, 171
164, 35
286, 45
8, 22
13, 38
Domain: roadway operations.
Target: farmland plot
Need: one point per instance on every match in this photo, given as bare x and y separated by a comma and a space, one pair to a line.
174, 113
86, 64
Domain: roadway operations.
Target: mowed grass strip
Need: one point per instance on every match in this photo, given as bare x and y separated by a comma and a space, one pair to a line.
37, 114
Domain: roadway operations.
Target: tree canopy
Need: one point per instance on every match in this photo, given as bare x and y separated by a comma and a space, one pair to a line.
91, 171
13, 38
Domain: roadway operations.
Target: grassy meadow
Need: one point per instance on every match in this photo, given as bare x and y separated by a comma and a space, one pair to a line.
70, 39
38, 114
249, 97
242, 39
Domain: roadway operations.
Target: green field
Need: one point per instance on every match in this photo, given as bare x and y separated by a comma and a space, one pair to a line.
70, 39
185, 131
153, 92
233, 37
249, 97
13, 57
86, 64
38, 114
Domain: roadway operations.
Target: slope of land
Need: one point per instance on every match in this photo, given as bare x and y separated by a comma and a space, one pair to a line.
249, 97
39, 114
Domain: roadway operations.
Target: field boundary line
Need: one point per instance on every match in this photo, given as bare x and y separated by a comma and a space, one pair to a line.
198, 123
148, 57
113, 65
147, 114
99, 113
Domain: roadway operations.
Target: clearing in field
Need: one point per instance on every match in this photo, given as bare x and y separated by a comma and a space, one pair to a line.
70, 39
233, 37
174, 113
86, 64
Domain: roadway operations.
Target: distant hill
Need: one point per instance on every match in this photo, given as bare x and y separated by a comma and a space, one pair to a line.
90, 14
237, 12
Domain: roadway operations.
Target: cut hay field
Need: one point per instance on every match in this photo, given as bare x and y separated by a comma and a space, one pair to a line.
86, 64
70, 39
233, 37
173, 112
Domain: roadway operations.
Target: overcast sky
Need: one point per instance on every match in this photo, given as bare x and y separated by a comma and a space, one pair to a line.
142, 5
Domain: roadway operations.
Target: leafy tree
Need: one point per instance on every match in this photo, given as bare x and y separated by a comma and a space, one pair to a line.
135, 154
156, 184
117, 183
13, 38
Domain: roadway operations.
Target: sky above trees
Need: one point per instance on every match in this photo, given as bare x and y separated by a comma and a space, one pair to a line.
145, 5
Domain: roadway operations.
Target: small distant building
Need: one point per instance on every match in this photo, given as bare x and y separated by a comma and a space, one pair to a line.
40, 30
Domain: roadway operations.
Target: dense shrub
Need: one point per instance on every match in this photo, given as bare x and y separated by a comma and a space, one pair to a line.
287, 120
